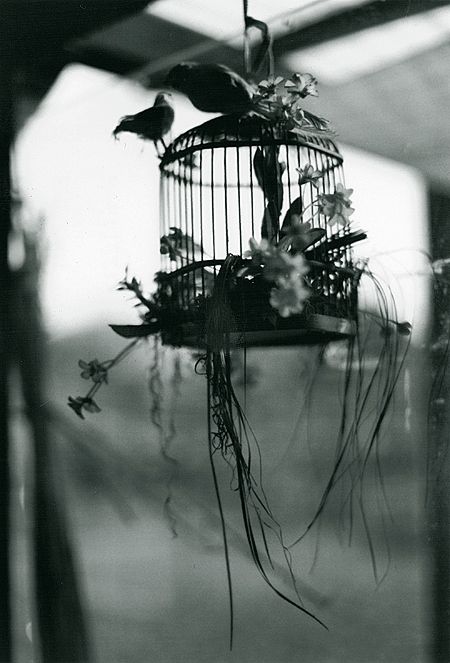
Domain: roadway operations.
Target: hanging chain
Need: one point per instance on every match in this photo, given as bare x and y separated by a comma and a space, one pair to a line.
247, 63
265, 49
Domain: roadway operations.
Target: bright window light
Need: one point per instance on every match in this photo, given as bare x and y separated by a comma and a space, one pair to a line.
224, 21
213, 19
346, 58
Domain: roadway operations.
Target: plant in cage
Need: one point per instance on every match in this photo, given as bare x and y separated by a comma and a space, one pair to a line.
256, 250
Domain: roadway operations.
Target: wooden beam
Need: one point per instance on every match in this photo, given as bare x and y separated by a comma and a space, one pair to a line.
37, 32
353, 20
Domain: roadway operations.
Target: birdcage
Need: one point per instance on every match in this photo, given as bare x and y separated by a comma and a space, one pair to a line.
234, 178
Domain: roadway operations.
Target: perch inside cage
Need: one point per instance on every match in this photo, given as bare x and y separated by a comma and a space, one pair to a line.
240, 177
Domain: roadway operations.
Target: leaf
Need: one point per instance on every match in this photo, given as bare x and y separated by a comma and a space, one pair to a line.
268, 171
404, 328
258, 165
319, 122
294, 209
135, 331
270, 224
314, 235
307, 131
272, 172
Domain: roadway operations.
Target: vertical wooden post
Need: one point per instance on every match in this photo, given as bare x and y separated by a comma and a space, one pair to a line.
439, 477
60, 620
6, 130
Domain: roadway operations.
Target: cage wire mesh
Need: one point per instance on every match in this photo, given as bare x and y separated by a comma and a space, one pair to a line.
233, 178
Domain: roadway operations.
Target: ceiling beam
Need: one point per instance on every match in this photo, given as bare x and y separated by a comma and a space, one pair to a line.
36, 32
353, 20
339, 24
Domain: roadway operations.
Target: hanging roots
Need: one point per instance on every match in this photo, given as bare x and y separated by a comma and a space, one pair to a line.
366, 400
167, 431
231, 435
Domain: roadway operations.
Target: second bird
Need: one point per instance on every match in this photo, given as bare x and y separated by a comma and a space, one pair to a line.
152, 123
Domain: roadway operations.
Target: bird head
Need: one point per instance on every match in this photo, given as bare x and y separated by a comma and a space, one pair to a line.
178, 75
163, 99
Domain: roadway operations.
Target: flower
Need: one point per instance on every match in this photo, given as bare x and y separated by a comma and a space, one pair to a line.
289, 296
268, 88
269, 257
286, 270
278, 266
76, 404
302, 85
280, 109
308, 174
337, 205
90, 405
81, 403
258, 252
283, 109
297, 264
276, 263
93, 370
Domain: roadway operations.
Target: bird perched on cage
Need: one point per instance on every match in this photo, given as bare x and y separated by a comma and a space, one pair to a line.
215, 88
152, 123
212, 88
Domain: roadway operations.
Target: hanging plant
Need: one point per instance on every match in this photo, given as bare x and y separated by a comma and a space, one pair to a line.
266, 176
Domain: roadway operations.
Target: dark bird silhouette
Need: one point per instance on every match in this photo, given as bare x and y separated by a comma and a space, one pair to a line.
152, 123
212, 88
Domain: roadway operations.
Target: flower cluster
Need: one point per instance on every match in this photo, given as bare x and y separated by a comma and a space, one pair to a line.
97, 372
287, 271
297, 87
278, 99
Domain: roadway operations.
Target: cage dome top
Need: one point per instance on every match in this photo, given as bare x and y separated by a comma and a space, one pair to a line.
236, 130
